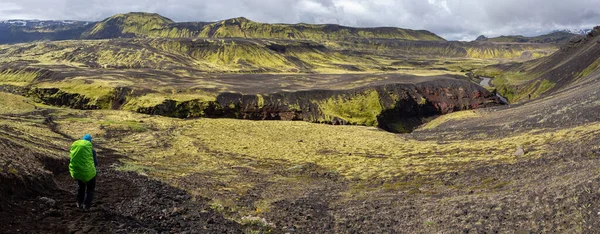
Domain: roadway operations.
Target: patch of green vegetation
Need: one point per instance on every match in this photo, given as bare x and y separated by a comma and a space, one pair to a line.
153, 99
346, 149
489, 71
360, 109
514, 86
17, 77
544, 86
130, 125
592, 67
81, 120
260, 101
449, 117
15, 104
493, 52
429, 223
294, 107
135, 168
95, 90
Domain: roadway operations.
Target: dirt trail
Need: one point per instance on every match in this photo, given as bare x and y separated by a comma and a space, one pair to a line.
125, 202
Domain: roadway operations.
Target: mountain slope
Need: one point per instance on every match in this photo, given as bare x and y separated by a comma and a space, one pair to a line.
242, 27
128, 25
574, 61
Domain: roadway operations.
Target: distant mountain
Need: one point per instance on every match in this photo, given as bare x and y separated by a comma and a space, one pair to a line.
576, 31
149, 25
15, 31
554, 37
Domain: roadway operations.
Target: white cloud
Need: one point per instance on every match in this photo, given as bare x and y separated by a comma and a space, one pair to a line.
452, 19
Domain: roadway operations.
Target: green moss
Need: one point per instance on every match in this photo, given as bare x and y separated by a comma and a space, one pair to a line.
544, 86
450, 117
592, 67
361, 109
17, 77
138, 23
129, 125
260, 101
135, 168
294, 107
14, 104
242, 27
156, 98
493, 52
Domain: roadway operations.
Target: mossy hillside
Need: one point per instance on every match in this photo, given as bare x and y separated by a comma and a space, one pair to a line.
235, 56
17, 77
44, 53
493, 53
126, 54
242, 27
359, 109
245, 56
449, 117
135, 103
591, 68
93, 89
136, 24
15, 104
512, 51
567, 66
81, 94
139, 24
24, 140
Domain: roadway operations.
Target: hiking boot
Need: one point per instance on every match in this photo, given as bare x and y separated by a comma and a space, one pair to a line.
78, 205
86, 208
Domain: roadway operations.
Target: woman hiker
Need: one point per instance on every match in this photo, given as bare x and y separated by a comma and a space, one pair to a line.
82, 167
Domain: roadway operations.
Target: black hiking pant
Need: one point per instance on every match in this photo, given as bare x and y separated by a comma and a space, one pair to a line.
85, 192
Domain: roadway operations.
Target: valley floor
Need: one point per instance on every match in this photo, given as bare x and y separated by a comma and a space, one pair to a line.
460, 173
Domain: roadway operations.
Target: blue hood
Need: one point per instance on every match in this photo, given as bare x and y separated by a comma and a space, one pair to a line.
87, 137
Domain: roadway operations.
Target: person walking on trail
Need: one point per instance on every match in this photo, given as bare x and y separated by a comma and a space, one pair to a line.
82, 167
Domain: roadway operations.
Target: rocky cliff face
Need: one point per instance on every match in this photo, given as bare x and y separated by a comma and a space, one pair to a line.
393, 107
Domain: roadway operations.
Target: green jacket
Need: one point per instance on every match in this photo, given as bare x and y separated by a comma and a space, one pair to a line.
81, 165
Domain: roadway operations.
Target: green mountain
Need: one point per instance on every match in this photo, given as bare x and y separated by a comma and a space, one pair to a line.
150, 25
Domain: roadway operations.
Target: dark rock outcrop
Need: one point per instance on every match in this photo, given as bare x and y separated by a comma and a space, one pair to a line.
396, 107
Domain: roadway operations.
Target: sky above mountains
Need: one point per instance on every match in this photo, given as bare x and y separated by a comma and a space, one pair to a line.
451, 19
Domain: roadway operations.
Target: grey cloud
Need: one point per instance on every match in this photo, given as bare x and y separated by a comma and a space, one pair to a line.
452, 19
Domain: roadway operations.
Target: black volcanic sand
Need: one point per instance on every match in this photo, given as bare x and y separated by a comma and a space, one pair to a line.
150, 79
125, 203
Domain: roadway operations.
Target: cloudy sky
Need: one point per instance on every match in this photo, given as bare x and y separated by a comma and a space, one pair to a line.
452, 19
